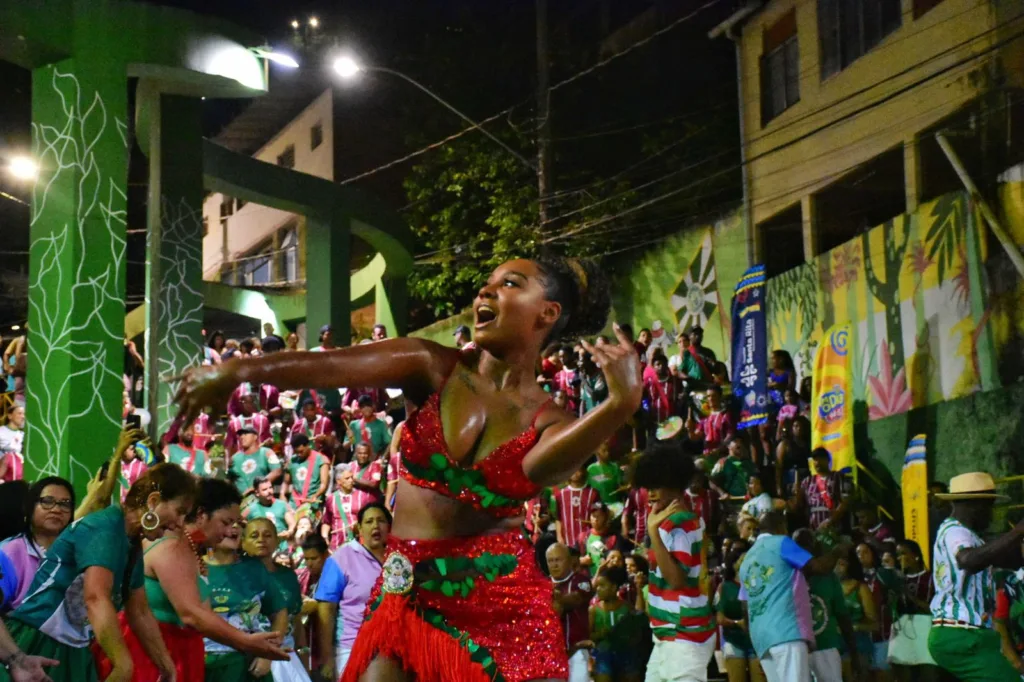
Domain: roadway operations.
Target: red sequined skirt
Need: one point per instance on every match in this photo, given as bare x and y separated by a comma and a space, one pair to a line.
462, 609
184, 644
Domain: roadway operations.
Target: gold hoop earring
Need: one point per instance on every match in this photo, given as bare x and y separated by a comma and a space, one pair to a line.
150, 520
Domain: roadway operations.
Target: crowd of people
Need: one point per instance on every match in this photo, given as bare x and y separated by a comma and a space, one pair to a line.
281, 530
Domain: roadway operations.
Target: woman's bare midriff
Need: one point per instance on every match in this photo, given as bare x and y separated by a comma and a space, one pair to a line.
422, 514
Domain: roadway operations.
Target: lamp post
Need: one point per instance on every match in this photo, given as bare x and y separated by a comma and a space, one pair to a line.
348, 68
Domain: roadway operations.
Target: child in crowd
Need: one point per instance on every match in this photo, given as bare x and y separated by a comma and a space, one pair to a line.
599, 540
790, 410
616, 631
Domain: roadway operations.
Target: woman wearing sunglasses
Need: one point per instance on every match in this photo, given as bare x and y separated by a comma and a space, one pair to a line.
48, 510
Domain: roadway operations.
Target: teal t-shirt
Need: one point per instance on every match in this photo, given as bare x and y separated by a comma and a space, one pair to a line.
300, 471
374, 432
244, 594
250, 467
198, 464
55, 604
828, 605
606, 479
776, 592
275, 511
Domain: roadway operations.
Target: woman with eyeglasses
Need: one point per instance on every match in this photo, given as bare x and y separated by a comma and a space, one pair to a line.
48, 510
93, 570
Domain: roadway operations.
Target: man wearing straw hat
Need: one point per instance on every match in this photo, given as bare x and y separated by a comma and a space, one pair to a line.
962, 640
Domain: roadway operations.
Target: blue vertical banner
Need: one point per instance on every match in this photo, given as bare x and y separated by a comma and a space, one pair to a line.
750, 349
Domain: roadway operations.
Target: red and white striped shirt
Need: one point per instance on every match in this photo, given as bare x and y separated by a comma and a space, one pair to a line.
717, 427
573, 508
320, 426
202, 432
636, 509
340, 513
256, 421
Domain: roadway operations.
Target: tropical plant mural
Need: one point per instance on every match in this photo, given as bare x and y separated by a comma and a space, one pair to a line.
915, 294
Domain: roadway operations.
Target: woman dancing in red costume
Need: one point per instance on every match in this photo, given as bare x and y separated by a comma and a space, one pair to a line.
461, 597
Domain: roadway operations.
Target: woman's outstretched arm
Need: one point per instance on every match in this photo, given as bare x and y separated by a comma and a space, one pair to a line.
416, 366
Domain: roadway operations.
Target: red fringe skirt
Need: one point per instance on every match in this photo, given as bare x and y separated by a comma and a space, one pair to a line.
481, 610
184, 644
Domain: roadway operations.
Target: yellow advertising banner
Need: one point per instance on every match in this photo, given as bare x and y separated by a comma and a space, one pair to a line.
915, 495
832, 400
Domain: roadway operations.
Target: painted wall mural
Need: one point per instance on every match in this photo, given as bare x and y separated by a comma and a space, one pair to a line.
914, 292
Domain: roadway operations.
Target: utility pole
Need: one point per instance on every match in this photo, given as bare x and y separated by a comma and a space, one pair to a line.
543, 113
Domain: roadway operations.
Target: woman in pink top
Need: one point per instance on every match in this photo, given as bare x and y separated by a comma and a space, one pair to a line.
48, 511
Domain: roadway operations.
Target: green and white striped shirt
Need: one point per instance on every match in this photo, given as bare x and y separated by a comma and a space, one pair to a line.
960, 596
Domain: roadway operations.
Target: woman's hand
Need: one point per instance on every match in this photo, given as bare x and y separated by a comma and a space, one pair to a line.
201, 387
655, 519
30, 668
621, 367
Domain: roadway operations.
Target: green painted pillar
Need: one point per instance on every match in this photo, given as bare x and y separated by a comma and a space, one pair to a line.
77, 266
391, 304
328, 291
175, 231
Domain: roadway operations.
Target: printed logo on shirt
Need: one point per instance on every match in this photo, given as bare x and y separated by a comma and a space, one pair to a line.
819, 614
248, 466
575, 501
273, 458
300, 475
755, 584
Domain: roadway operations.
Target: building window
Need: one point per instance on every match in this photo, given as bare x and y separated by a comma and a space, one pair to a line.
286, 159
288, 254
316, 135
922, 6
780, 68
256, 269
851, 28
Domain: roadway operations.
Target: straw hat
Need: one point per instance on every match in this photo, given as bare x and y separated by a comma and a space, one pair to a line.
976, 485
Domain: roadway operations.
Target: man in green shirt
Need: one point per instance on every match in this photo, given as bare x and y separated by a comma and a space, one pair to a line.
732, 473
253, 461
306, 477
369, 429
605, 477
833, 629
697, 362
265, 506
190, 458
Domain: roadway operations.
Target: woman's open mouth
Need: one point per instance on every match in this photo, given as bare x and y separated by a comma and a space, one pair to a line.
485, 314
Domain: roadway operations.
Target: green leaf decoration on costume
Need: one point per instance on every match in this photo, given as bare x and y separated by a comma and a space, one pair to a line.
457, 479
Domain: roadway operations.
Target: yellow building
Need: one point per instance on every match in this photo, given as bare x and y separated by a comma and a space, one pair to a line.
840, 100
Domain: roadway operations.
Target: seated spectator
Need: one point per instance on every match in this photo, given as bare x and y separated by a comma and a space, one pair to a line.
572, 593
12, 439
872, 530
714, 429
732, 473
760, 501
822, 496
47, 512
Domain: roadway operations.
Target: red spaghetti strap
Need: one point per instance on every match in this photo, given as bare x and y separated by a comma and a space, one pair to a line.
541, 409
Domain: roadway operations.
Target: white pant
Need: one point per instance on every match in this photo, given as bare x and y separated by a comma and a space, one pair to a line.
341, 660
289, 671
680, 661
787, 662
579, 666
827, 666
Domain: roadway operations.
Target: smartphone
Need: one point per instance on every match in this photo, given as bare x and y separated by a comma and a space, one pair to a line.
133, 421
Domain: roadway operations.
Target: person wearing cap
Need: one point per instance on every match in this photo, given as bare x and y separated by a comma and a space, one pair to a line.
600, 539
249, 417
463, 336
252, 461
962, 639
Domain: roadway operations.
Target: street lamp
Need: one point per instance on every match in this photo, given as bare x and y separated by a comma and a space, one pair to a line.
295, 24
314, 22
348, 69
23, 168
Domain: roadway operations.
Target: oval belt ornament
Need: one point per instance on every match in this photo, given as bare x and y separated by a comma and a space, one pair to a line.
397, 574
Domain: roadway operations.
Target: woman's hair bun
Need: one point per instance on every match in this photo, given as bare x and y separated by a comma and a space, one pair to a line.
583, 290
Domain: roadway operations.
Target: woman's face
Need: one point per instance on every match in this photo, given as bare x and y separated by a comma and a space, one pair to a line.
866, 556
293, 340
217, 525
374, 528
645, 337
513, 304
614, 558
170, 512
260, 539
799, 429
52, 512
218, 342
776, 361
16, 418
888, 560
129, 453
232, 538
630, 565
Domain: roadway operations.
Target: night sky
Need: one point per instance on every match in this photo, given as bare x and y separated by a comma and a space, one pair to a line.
478, 54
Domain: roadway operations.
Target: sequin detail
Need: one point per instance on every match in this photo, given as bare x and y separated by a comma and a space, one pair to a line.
509, 619
496, 484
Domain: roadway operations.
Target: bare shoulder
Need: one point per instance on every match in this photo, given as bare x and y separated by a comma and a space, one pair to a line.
551, 415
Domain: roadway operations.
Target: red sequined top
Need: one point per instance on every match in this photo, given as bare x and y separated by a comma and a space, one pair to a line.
496, 484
